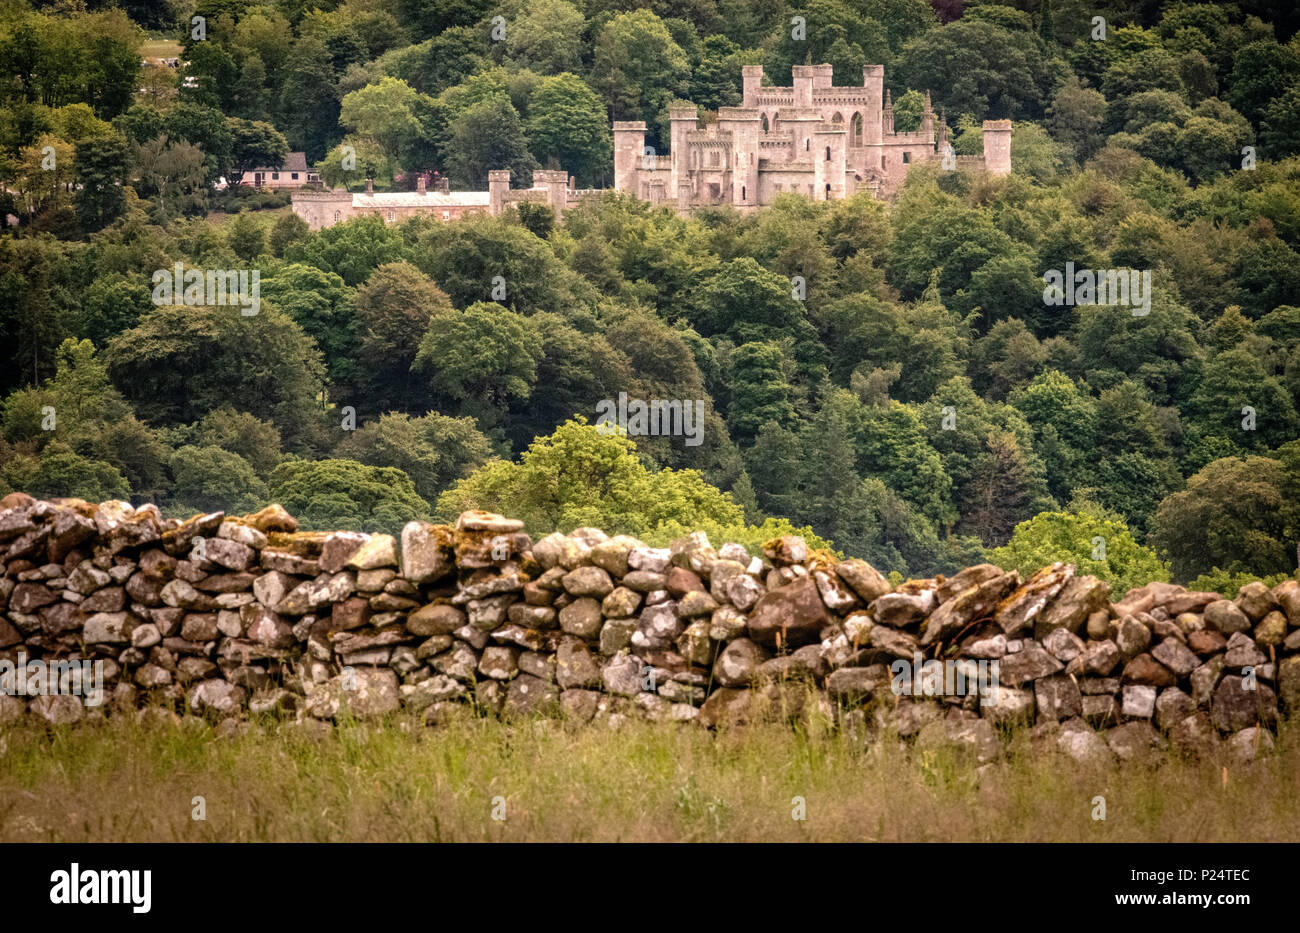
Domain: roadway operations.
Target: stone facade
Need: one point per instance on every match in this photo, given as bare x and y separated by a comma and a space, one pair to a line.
813, 139
322, 209
223, 616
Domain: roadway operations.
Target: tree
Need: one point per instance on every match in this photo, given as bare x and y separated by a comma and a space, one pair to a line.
482, 357
567, 128
254, 440
837, 33
547, 37
383, 111
1231, 382
394, 309
62, 472
467, 256
1261, 74
979, 69
761, 391
208, 130
174, 176
255, 144
179, 363
309, 103
321, 304
1280, 129
1094, 541
210, 479
288, 230
580, 476
246, 236
487, 136
637, 66
1234, 515
352, 249
434, 450
111, 304
345, 494
102, 164
893, 446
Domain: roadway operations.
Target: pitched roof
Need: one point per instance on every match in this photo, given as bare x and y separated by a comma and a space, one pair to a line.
293, 162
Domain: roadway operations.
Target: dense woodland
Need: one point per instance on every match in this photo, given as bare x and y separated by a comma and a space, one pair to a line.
920, 406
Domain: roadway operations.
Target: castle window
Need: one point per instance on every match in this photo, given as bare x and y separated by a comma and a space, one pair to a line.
391, 215
907, 158
765, 123
855, 132
742, 192
336, 216
884, 160
807, 144
828, 153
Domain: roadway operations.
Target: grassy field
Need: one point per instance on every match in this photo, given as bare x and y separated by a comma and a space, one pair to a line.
160, 48
120, 780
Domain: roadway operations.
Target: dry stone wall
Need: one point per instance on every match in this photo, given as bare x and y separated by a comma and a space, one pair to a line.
222, 616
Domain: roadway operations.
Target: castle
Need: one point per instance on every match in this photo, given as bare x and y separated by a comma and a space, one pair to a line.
814, 139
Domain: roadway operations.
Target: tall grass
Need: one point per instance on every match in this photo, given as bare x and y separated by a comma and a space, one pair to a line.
398, 781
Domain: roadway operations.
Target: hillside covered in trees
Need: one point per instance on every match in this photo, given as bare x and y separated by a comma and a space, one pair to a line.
887, 376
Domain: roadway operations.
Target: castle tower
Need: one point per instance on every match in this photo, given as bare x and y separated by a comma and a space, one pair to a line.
556, 184
681, 120
873, 79
629, 147
498, 185
743, 125
997, 147
830, 159
801, 124
751, 77
804, 77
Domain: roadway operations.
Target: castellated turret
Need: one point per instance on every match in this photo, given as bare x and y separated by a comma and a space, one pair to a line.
997, 147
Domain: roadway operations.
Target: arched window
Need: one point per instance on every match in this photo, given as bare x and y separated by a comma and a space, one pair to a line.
765, 123
828, 153
838, 118
855, 130
336, 216
828, 191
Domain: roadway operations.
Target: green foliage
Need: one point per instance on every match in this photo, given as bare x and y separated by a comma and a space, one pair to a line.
580, 476
345, 494
210, 479
1096, 543
1239, 515
181, 362
1228, 584
567, 129
434, 450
